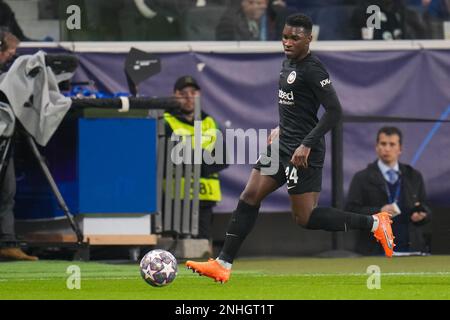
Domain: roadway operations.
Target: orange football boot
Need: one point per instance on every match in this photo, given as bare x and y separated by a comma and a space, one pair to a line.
384, 234
211, 269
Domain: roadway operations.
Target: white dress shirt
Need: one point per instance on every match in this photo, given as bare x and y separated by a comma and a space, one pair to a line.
384, 168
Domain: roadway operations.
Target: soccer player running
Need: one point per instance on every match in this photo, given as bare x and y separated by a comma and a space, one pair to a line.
304, 85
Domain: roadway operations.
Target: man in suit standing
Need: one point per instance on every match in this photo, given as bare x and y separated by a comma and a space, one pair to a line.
390, 186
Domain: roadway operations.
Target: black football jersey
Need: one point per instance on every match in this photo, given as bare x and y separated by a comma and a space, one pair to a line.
305, 85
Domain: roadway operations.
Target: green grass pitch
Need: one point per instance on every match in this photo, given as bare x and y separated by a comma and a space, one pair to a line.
253, 279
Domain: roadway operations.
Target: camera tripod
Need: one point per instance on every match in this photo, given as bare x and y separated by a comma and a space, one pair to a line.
6, 153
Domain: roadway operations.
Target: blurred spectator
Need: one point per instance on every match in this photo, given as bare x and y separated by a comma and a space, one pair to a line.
390, 186
101, 25
145, 20
331, 17
135, 21
247, 21
166, 19
434, 13
168, 8
397, 21
8, 22
439, 9
176, 9
295, 5
277, 11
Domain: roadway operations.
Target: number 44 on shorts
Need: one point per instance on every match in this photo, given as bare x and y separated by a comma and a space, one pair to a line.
291, 176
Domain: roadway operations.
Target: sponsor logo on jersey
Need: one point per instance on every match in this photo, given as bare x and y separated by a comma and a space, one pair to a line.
323, 83
286, 98
291, 78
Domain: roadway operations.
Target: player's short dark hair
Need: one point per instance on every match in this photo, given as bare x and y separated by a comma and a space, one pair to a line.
389, 131
300, 20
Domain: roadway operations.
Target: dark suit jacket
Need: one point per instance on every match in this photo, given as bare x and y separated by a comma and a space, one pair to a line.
233, 26
367, 195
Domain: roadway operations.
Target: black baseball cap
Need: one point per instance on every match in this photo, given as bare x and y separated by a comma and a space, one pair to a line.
185, 81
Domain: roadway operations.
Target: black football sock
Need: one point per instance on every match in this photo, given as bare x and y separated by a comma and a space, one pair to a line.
241, 223
331, 219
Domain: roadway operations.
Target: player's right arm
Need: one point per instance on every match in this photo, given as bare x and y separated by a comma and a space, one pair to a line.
274, 133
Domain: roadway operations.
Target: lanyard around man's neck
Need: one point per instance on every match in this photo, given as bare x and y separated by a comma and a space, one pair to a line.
394, 197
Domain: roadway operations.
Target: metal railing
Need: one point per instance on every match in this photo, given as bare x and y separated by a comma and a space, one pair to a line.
177, 209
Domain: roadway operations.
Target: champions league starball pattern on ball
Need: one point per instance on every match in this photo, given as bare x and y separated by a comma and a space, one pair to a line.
158, 268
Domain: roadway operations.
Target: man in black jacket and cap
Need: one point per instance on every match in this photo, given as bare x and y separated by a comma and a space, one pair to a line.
182, 123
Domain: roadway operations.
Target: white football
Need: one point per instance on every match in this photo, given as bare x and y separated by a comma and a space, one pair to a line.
158, 268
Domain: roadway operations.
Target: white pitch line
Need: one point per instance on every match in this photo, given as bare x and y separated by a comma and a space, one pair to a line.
64, 279
354, 274
393, 274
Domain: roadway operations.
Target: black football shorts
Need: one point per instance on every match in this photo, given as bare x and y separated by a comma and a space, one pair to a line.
297, 181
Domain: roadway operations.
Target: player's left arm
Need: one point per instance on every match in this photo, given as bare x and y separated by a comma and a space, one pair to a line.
320, 83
